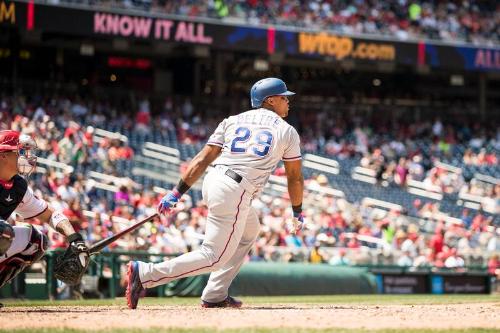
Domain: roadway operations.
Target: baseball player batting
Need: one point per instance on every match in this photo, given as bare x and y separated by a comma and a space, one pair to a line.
245, 149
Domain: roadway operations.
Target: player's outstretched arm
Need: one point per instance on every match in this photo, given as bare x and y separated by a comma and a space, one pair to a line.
295, 181
58, 221
195, 170
200, 163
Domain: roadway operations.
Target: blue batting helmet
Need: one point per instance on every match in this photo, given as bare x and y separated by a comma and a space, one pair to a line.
264, 88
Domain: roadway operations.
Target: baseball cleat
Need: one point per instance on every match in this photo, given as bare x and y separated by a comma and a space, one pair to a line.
229, 302
135, 290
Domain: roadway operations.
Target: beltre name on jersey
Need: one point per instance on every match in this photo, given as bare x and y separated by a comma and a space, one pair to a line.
263, 119
254, 142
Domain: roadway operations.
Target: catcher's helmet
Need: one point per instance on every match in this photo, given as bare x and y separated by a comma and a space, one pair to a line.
26, 149
9, 140
264, 88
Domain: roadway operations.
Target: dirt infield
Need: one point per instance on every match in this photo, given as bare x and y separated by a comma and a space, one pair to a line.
478, 315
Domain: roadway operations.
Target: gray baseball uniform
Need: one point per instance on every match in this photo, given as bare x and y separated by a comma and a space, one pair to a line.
253, 143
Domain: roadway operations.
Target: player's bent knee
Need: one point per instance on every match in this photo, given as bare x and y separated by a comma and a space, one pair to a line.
34, 251
218, 265
216, 257
36, 247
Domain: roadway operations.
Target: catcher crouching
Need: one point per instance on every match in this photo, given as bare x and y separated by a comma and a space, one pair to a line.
21, 246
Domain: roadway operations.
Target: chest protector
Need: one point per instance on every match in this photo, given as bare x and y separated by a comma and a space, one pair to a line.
10, 198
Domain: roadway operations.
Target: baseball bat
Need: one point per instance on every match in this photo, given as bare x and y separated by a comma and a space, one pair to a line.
97, 247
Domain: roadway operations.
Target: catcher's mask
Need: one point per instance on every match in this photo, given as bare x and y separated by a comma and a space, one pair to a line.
25, 147
27, 155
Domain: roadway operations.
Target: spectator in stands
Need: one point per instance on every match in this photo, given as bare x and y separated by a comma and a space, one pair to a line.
122, 197
494, 242
424, 258
66, 147
316, 256
401, 172
453, 260
65, 190
143, 117
405, 260
416, 169
439, 260
409, 244
437, 241
465, 244
415, 208
294, 240
494, 265
466, 218
257, 254
339, 259
388, 231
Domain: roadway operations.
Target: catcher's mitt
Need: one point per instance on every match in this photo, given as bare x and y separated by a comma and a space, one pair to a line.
72, 264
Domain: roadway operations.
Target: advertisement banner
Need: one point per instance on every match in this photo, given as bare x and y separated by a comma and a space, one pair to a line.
466, 284
445, 283
62, 20
98, 24
342, 47
403, 283
314, 45
8, 13
468, 58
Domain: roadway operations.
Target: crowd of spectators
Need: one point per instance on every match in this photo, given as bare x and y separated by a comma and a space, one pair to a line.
468, 21
481, 158
399, 152
338, 231
487, 193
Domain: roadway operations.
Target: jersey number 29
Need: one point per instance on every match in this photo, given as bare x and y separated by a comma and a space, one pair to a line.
260, 143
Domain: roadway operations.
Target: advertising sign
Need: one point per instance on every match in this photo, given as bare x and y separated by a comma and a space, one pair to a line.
7, 13
468, 58
344, 47
238, 38
316, 45
466, 284
403, 283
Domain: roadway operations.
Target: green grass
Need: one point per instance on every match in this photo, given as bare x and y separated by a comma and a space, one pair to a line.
330, 299
253, 330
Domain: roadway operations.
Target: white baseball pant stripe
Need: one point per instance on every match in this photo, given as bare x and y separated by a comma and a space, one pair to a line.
228, 206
